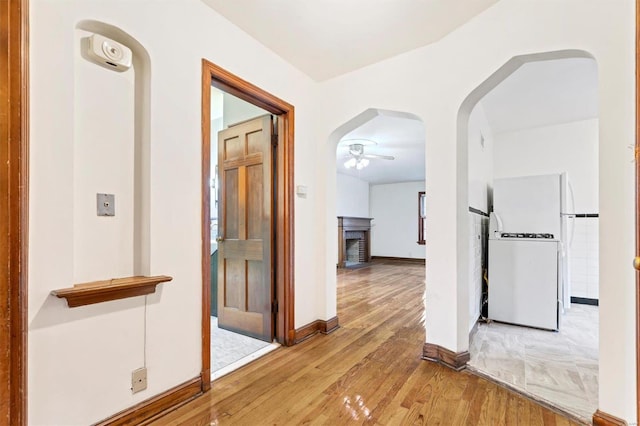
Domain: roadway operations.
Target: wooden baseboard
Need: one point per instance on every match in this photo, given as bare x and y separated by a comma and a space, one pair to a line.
205, 379
153, 408
457, 361
317, 326
399, 259
329, 326
601, 418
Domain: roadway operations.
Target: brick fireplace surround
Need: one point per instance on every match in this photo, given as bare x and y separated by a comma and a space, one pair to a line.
354, 241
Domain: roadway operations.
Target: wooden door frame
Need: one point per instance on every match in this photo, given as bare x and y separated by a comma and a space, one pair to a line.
14, 155
213, 75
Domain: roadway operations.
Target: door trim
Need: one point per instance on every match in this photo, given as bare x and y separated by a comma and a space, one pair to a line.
14, 156
213, 75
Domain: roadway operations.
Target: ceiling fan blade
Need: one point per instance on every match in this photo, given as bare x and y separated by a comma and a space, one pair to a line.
381, 157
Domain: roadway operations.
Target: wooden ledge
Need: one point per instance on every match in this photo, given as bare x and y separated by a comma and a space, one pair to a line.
600, 418
103, 291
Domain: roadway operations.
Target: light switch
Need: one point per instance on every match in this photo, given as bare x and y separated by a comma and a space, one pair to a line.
301, 190
106, 204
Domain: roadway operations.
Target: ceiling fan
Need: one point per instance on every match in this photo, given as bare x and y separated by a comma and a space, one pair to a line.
358, 159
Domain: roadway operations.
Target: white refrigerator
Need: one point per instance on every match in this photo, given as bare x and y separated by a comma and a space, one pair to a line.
529, 232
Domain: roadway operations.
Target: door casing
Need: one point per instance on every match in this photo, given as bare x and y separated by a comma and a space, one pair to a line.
213, 75
14, 209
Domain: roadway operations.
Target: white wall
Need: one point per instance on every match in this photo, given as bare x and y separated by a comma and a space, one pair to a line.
236, 110
394, 230
480, 159
480, 177
352, 196
584, 266
570, 147
80, 359
432, 82
103, 163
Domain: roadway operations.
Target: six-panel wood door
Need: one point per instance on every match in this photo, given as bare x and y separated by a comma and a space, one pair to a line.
245, 290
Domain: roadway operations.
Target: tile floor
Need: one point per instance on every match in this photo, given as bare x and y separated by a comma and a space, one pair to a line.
560, 368
228, 347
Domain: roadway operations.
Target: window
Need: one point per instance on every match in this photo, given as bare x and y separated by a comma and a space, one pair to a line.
422, 213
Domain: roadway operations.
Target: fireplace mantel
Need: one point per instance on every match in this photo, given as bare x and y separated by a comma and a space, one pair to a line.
354, 228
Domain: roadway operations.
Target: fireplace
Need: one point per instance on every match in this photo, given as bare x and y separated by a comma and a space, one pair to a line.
353, 241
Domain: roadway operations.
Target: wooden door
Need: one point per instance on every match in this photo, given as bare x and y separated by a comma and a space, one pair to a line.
245, 289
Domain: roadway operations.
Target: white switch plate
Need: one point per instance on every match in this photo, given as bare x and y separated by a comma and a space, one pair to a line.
139, 380
106, 204
301, 190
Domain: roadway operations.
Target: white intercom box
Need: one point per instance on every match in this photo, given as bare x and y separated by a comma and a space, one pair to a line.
109, 52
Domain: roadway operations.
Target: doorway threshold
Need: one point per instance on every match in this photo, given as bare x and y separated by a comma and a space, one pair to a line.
244, 361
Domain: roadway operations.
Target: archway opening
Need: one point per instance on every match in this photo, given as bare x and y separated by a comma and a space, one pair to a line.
379, 159
528, 156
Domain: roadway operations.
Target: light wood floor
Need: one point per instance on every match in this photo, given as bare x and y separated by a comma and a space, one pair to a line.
368, 371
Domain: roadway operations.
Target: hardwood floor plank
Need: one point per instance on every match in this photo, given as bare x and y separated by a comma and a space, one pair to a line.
367, 372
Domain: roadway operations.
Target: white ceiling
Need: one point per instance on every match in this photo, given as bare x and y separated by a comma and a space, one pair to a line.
544, 93
402, 138
326, 38
536, 94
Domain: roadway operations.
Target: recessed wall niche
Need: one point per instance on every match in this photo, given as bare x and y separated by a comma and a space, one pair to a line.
111, 155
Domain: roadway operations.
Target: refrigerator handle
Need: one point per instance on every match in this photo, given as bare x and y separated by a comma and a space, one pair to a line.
571, 216
573, 199
495, 224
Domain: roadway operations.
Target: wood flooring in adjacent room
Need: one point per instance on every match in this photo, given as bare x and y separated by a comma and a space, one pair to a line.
368, 371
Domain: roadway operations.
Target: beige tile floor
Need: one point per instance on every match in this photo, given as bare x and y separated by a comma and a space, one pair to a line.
560, 368
228, 347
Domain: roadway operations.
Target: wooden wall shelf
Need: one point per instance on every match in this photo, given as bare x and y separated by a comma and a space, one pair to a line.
103, 291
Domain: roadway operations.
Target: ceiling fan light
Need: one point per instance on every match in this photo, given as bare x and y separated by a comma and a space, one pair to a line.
350, 163
362, 163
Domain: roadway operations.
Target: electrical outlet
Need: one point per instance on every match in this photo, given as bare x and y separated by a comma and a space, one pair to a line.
139, 380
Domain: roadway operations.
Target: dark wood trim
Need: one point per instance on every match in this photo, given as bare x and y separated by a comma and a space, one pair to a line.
603, 419
205, 372
457, 361
315, 327
14, 194
329, 326
399, 259
307, 331
152, 408
213, 75
421, 236
104, 291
